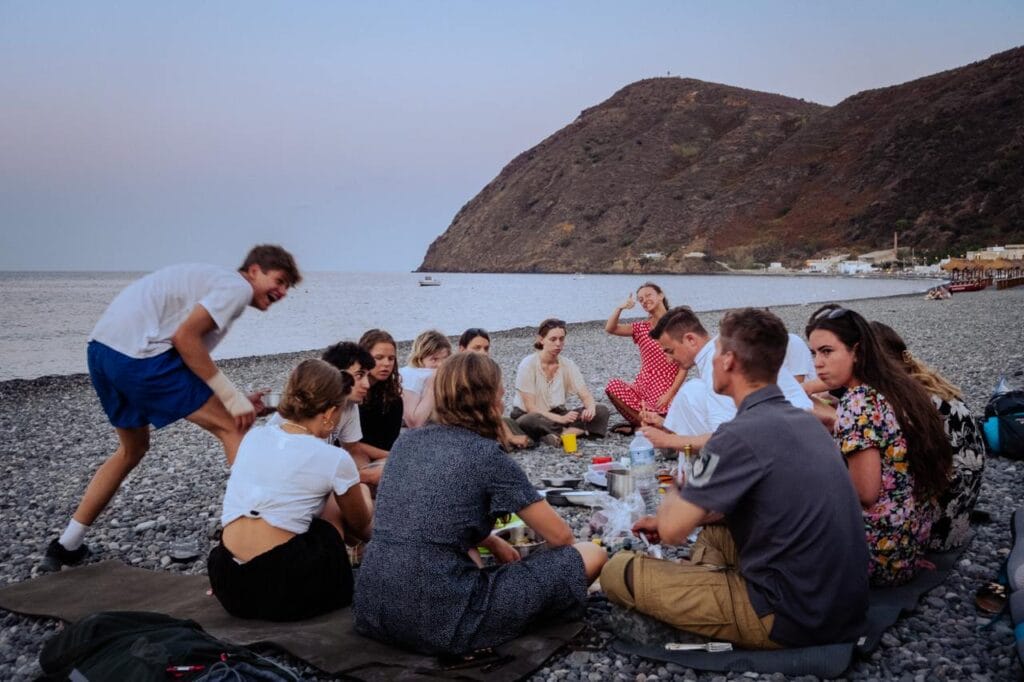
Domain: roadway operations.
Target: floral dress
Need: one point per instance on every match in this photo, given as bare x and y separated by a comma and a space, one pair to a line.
897, 525
956, 504
655, 378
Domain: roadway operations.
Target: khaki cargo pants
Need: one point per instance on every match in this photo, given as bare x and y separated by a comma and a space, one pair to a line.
706, 595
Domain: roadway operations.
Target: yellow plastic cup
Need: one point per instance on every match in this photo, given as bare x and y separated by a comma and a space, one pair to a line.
569, 442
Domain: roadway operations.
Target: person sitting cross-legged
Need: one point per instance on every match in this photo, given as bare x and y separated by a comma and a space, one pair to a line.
785, 564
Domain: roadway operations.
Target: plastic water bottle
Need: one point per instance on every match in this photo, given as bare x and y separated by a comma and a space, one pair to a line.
644, 470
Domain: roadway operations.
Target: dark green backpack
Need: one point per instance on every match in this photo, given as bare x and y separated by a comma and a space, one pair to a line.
139, 645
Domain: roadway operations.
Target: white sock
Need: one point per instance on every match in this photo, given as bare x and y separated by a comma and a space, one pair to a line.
73, 535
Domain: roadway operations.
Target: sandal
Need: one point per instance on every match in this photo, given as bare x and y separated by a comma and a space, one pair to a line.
623, 429
991, 598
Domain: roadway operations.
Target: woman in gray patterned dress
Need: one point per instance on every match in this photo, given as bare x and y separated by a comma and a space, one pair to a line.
442, 489
952, 526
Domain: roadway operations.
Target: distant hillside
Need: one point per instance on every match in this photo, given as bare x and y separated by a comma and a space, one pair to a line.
675, 166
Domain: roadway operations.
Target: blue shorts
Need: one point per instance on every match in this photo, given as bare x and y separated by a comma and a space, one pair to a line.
135, 392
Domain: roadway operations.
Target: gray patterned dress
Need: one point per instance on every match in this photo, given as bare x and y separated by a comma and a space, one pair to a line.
441, 491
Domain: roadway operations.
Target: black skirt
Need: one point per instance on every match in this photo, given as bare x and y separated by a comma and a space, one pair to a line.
302, 578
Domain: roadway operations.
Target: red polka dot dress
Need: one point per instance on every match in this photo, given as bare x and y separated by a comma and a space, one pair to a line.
656, 375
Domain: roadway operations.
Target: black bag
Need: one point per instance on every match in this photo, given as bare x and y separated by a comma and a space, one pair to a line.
1004, 424
138, 645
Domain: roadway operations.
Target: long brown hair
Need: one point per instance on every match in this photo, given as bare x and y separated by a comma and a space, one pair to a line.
932, 381
387, 391
928, 451
466, 394
314, 387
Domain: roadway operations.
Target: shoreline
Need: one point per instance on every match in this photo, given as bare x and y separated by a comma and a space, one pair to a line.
55, 435
404, 344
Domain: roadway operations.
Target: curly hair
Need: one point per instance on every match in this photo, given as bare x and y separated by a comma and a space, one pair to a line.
928, 451
388, 391
466, 390
314, 387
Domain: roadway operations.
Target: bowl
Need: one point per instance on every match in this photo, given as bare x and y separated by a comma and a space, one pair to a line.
582, 498
523, 538
561, 482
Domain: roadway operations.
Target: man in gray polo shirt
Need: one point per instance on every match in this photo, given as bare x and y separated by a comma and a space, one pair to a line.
787, 565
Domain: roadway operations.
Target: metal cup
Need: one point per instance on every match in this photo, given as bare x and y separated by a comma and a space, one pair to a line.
620, 482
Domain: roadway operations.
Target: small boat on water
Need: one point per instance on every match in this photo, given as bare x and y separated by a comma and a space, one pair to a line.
969, 285
429, 281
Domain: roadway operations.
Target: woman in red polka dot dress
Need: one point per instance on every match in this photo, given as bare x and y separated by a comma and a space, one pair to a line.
659, 377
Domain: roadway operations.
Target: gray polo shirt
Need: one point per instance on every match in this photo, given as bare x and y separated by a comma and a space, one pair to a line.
778, 477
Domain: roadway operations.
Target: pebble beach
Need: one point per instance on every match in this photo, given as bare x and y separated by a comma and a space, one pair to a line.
53, 435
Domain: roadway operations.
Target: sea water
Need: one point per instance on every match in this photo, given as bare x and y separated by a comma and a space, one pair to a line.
46, 317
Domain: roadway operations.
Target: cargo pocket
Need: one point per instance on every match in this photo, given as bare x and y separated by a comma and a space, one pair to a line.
695, 598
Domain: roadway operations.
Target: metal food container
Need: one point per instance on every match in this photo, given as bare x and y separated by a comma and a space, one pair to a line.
620, 482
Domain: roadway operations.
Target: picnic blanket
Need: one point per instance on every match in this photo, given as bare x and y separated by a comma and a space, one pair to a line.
885, 607
327, 642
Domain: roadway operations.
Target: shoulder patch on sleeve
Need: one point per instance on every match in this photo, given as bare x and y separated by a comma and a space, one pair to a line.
703, 468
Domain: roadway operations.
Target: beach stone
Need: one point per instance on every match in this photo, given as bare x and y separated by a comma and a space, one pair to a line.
144, 526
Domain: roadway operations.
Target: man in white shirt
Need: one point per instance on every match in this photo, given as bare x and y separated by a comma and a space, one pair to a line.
798, 361
149, 361
697, 410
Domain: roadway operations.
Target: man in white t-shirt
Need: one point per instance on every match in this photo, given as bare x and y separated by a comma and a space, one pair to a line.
149, 361
697, 410
798, 360
355, 360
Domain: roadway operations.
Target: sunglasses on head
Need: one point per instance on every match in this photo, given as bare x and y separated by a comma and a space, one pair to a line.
831, 314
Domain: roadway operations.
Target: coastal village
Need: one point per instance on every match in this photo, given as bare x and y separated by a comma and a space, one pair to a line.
1002, 266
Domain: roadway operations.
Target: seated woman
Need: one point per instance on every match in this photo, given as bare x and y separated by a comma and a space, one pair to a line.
443, 489
952, 527
380, 413
544, 382
290, 499
659, 378
477, 340
891, 436
429, 350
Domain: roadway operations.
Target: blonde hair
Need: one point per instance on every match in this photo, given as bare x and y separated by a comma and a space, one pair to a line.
426, 344
466, 393
314, 387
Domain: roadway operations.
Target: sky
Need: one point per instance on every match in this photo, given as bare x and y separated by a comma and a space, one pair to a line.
136, 135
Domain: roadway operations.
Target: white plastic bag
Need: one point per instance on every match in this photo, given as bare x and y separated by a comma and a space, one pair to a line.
616, 518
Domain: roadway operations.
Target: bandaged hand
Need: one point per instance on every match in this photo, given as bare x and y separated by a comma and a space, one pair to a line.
234, 400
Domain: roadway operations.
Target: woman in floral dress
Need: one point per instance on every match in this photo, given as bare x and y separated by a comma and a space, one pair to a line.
659, 378
891, 436
952, 526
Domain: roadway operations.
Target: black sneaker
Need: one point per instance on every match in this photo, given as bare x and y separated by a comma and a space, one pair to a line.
57, 556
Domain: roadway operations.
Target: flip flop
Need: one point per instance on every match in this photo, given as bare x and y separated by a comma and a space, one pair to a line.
991, 598
623, 429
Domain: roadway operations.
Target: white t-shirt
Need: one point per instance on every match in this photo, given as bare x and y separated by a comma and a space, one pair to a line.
284, 478
798, 358
697, 409
547, 393
413, 378
349, 429
141, 320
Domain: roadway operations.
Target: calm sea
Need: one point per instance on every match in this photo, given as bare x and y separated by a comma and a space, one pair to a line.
46, 317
